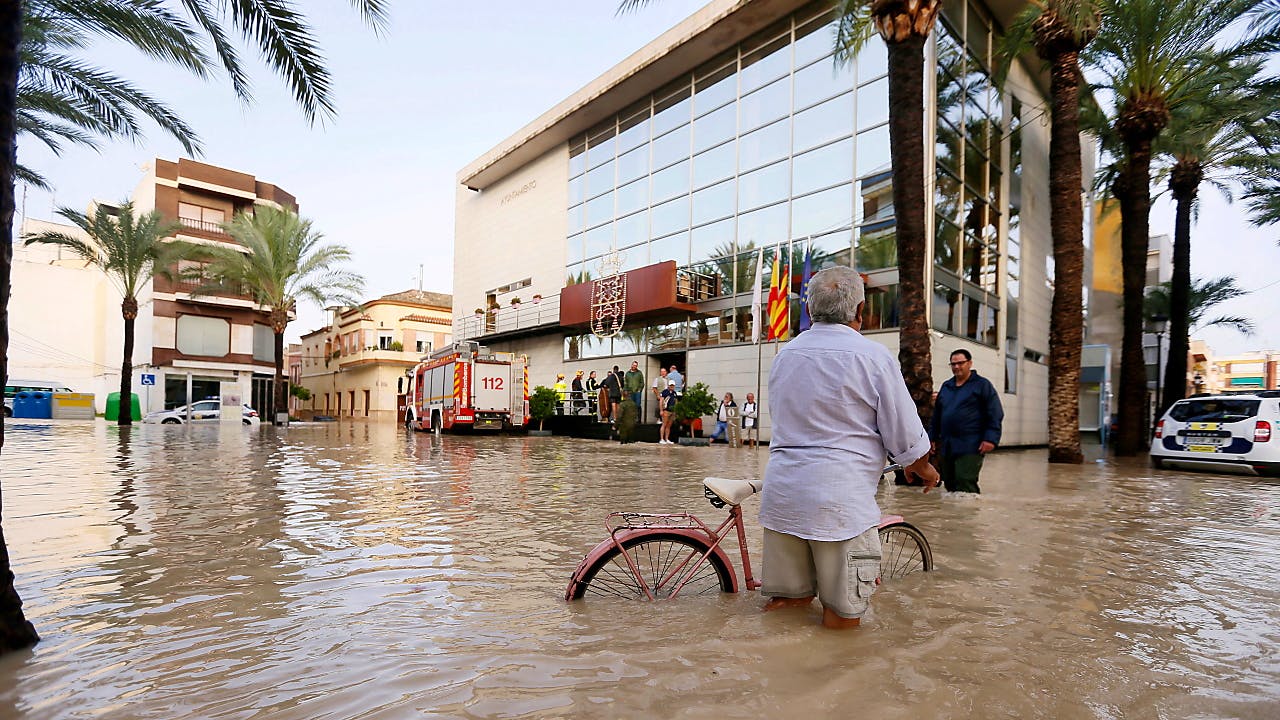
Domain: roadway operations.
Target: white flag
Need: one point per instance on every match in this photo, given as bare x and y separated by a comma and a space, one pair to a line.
755, 299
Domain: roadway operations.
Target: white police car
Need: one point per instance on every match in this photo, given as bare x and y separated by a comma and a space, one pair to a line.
204, 411
1221, 432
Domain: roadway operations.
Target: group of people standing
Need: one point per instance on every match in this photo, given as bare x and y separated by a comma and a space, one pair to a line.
603, 396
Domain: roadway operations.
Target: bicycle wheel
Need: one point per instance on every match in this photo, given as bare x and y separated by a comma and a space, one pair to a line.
656, 557
904, 550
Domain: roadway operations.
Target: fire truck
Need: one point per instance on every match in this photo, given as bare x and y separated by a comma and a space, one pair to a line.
466, 387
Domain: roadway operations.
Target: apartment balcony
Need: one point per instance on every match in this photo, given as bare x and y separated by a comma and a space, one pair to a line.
374, 355
204, 229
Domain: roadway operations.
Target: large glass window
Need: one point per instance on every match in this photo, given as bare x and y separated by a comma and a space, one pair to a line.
829, 121
967, 200
775, 144
210, 337
826, 166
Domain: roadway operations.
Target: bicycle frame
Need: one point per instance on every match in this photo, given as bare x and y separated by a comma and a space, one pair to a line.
623, 526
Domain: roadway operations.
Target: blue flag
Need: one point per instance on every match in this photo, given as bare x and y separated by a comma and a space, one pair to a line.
805, 321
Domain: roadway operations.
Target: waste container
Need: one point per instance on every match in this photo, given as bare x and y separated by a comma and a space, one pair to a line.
113, 407
73, 406
32, 404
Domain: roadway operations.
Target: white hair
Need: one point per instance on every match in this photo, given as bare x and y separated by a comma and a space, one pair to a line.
835, 294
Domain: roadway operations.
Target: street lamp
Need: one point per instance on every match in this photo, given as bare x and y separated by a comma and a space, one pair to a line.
1158, 321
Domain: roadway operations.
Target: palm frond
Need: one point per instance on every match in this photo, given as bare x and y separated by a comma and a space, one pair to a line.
289, 49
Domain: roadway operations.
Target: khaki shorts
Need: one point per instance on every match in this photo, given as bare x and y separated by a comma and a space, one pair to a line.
843, 574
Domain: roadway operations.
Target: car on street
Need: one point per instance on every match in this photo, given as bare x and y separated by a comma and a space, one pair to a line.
1233, 432
203, 411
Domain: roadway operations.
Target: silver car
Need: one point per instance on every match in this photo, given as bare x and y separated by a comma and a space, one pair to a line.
1221, 432
204, 411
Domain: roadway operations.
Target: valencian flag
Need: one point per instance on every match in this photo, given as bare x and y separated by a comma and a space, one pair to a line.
805, 321
779, 293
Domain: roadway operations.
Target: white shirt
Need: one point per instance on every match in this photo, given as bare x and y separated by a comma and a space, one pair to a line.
838, 406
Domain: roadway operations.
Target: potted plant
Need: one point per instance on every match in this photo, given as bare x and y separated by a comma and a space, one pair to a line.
537, 298
515, 301
542, 405
696, 402
479, 312
397, 346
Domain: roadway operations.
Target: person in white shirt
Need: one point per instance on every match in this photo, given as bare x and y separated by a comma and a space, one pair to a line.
659, 384
838, 406
722, 418
749, 414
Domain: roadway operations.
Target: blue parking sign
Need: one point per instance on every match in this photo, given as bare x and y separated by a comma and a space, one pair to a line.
148, 379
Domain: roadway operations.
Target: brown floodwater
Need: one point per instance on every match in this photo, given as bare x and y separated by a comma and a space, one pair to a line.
356, 571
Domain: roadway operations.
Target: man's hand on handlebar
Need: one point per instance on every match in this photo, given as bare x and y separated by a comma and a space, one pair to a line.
926, 472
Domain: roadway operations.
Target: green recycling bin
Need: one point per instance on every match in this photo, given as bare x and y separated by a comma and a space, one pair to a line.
113, 407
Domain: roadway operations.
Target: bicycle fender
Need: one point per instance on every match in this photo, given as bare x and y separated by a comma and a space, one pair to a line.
626, 534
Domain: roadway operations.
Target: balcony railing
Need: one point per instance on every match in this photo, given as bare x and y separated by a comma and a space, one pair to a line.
375, 354
204, 225
508, 319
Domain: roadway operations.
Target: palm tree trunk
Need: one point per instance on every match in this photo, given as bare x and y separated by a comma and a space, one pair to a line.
1133, 190
125, 418
1066, 219
906, 149
15, 631
1184, 184
279, 394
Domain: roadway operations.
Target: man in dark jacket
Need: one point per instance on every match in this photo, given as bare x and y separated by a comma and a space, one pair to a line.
966, 424
612, 389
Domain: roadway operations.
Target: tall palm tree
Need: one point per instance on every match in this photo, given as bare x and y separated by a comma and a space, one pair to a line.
1229, 135
130, 249
283, 260
278, 30
904, 27
1060, 30
1148, 56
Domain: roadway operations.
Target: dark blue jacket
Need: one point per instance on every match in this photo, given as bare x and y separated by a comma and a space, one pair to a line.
964, 416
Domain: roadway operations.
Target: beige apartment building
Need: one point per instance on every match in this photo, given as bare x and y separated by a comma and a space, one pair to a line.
202, 341
736, 130
355, 366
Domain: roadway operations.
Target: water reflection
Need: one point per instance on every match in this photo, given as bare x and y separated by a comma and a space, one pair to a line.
352, 570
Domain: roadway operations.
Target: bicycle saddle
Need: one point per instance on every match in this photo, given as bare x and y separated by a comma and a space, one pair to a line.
729, 491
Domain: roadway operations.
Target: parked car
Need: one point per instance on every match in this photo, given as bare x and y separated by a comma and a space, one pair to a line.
209, 410
13, 387
1221, 432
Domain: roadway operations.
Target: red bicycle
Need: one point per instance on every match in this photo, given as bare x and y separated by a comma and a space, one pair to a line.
651, 556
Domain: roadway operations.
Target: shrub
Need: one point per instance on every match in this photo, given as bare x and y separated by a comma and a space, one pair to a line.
542, 404
696, 402
397, 346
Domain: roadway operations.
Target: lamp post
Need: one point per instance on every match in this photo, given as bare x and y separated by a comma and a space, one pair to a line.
1158, 321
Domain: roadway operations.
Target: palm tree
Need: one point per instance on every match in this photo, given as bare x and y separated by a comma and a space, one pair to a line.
1203, 295
278, 30
904, 27
1149, 56
283, 260
1059, 30
130, 249
1229, 135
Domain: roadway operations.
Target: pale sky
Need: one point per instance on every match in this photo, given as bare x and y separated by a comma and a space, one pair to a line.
446, 83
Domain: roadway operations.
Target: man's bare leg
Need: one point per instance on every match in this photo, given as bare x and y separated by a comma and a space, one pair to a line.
835, 622
784, 602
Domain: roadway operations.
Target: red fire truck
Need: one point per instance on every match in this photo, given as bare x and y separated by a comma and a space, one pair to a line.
464, 386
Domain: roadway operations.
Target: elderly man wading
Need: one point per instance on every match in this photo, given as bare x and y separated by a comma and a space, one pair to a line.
838, 406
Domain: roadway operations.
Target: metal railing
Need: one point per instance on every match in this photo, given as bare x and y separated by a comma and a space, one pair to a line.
204, 225
508, 319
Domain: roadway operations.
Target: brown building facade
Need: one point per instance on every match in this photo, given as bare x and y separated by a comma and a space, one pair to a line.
201, 343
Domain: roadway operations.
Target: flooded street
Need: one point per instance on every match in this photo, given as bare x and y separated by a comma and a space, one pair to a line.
356, 571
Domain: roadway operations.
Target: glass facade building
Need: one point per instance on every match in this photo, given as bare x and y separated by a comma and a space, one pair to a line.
775, 145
